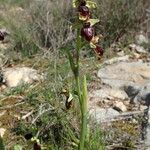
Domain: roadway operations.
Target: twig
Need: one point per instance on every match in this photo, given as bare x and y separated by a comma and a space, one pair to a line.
27, 115
43, 110
11, 106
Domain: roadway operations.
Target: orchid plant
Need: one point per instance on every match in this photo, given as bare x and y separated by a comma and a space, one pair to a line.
84, 26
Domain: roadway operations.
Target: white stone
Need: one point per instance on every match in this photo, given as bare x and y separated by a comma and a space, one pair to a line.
108, 93
120, 106
116, 60
19, 75
141, 38
103, 115
137, 48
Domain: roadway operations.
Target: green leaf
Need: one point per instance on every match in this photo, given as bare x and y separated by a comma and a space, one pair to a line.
75, 3
18, 147
91, 4
93, 21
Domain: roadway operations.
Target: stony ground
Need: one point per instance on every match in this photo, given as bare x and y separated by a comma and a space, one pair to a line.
119, 97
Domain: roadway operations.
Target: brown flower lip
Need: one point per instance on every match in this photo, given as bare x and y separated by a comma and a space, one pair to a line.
37, 146
87, 32
84, 10
99, 50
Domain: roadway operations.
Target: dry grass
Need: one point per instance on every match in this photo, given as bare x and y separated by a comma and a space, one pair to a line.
38, 30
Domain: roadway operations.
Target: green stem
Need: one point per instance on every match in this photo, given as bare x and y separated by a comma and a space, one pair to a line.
82, 95
84, 133
77, 80
78, 47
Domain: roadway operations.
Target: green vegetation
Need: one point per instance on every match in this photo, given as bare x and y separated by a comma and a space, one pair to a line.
40, 35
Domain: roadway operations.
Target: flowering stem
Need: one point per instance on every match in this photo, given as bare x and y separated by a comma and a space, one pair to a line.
85, 30
82, 94
77, 80
84, 109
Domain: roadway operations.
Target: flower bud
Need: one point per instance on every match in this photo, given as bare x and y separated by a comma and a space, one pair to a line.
99, 50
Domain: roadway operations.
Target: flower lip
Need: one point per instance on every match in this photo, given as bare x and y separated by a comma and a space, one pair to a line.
87, 32
84, 10
37, 146
99, 50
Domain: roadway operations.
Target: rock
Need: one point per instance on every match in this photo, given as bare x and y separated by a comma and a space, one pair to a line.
19, 75
2, 132
147, 140
103, 115
105, 97
142, 108
109, 93
144, 95
137, 48
141, 38
119, 106
116, 60
132, 91
137, 56
124, 74
121, 53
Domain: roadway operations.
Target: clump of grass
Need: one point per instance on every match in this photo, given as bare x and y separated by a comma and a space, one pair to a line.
119, 20
51, 26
